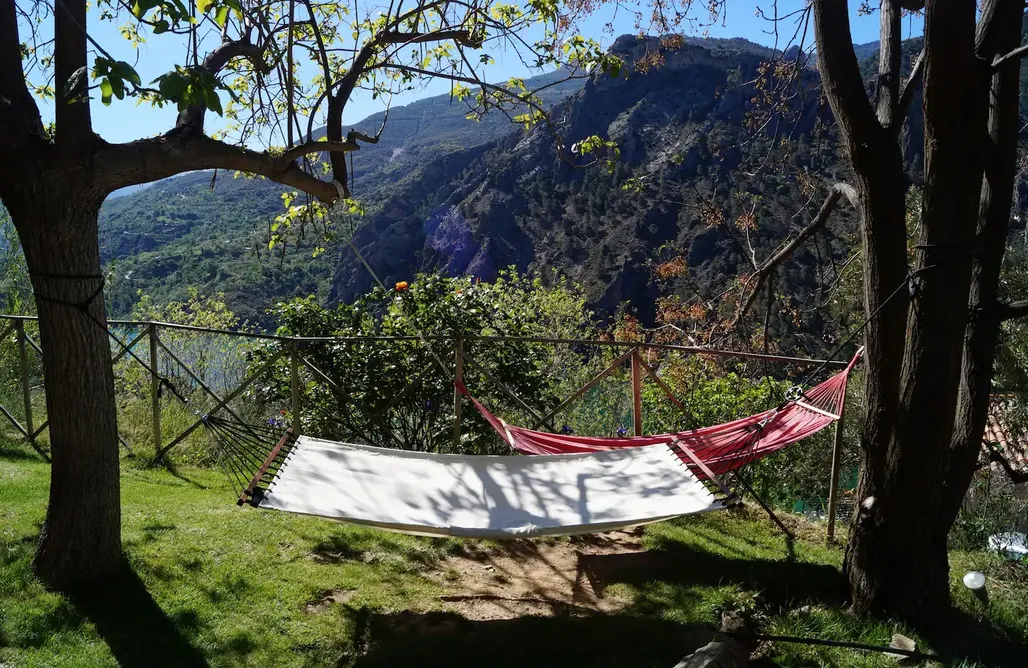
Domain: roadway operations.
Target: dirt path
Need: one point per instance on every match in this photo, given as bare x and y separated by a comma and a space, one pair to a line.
509, 580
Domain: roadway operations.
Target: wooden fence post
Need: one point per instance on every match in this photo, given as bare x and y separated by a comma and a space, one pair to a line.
294, 384
637, 393
25, 387
833, 487
458, 377
155, 391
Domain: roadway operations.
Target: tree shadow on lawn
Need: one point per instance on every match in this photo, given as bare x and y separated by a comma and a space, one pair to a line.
19, 453
424, 640
960, 637
782, 584
135, 628
639, 635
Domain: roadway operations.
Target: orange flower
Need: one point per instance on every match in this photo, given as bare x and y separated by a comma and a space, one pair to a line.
401, 286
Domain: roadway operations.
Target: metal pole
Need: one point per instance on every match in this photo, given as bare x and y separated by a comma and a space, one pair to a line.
25, 387
294, 383
833, 488
155, 391
458, 377
637, 393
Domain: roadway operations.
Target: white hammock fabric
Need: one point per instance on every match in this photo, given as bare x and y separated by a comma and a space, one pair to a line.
485, 496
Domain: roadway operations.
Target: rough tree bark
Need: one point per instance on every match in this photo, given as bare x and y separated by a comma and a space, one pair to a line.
80, 540
53, 197
893, 562
925, 414
999, 33
53, 192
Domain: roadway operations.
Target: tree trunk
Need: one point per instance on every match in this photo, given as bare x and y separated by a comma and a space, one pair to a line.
894, 561
81, 538
999, 33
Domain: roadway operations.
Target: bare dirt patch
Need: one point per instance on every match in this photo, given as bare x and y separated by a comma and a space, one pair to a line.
334, 597
493, 581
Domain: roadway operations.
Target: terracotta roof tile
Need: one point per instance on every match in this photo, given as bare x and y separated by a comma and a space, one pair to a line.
998, 431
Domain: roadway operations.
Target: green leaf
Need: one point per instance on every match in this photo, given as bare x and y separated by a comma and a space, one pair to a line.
212, 101
106, 90
118, 86
221, 16
203, 5
161, 27
126, 71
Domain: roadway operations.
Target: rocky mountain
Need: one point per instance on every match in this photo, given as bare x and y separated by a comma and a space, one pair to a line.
682, 133
208, 229
698, 140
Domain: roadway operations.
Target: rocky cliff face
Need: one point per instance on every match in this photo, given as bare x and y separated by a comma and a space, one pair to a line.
680, 128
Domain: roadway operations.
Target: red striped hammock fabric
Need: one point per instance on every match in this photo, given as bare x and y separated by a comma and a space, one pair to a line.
722, 447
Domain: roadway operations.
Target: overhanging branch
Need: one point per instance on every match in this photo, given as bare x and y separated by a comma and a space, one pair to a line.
838, 191
1019, 52
147, 160
297, 152
907, 95
216, 60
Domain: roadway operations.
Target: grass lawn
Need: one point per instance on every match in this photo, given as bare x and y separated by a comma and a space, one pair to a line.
217, 585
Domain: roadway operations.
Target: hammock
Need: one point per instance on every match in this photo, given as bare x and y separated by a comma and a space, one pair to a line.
574, 485
723, 447
478, 496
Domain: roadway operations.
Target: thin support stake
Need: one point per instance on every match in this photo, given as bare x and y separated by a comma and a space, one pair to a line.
652, 373
637, 393
155, 392
294, 386
767, 508
506, 390
585, 388
458, 378
833, 487
203, 386
26, 389
381, 419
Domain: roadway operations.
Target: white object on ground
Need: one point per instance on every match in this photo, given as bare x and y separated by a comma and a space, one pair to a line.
974, 580
1012, 544
486, 496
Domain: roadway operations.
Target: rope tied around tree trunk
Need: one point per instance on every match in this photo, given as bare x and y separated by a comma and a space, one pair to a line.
84, 305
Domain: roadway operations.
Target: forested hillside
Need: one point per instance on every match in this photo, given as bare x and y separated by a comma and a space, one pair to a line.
702, 147
209, 230
688, 159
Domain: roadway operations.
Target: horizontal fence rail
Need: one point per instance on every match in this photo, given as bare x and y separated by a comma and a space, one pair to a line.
695, 350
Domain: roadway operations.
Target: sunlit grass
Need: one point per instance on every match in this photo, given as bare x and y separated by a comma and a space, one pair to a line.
223, 586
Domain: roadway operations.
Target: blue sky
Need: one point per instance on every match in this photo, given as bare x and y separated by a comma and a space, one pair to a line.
125, 121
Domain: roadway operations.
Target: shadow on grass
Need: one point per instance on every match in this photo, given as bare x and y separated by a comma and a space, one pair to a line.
781, 584
422, 640
134, 626
17, 453
961, 637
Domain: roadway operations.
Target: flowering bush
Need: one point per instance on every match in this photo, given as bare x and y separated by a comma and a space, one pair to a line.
399, 391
